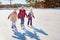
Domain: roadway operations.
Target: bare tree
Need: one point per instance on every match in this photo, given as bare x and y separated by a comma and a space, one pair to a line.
10, 2
28, 1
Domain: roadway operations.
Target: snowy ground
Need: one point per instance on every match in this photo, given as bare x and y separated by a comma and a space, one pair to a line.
47, 20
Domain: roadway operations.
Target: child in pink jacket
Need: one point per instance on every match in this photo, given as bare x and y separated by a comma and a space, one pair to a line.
13, 19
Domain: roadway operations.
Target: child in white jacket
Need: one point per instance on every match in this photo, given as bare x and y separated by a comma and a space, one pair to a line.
30, 16
13, 19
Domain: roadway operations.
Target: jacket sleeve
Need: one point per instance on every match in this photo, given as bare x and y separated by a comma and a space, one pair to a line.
19, 14
25, 13
9, 15
33, 15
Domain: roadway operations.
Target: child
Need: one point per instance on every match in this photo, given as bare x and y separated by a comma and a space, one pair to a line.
21, 16
13, 18
30, 15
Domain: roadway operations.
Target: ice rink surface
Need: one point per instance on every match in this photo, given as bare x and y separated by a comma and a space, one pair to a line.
46, 20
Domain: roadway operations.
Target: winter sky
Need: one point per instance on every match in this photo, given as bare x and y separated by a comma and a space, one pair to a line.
13, 1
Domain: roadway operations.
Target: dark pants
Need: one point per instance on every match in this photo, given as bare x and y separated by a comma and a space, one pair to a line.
13, 26
22, 21
30, 21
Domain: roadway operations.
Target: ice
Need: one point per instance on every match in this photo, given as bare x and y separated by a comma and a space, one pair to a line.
47, 20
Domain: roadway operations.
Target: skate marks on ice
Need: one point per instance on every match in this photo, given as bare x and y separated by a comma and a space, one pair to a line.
31, 35
19, 35
38, 30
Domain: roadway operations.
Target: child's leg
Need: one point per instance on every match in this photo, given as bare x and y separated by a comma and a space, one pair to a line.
28, 22
22, 22
31, 22
14, 25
